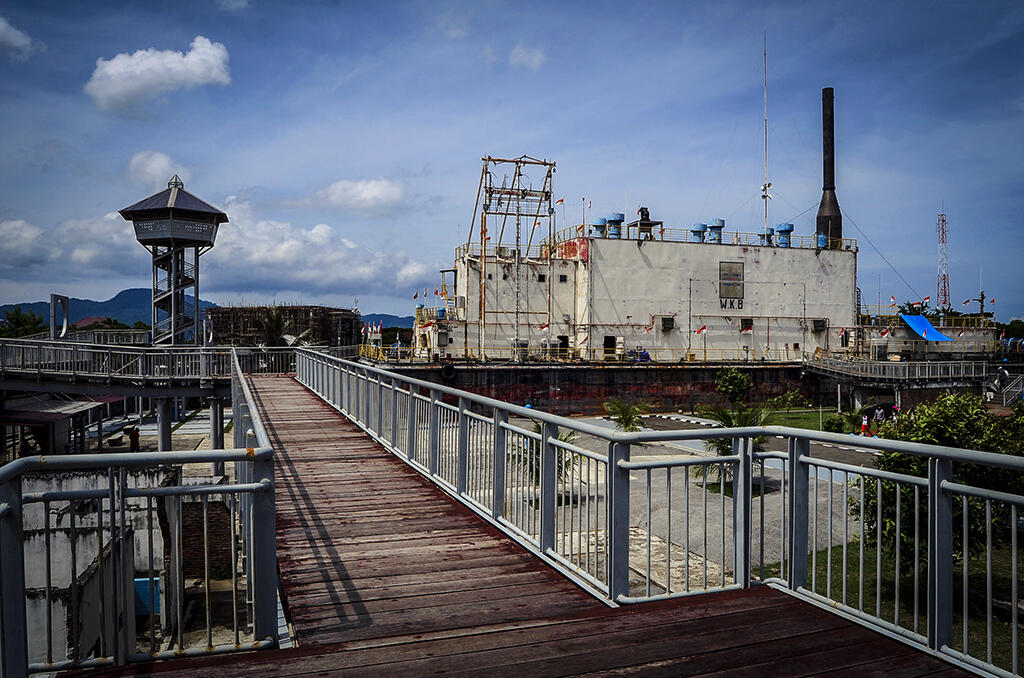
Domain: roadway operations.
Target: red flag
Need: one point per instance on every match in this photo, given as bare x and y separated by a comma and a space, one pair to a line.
702, 329
584, 339
579, 229
966, 301
560, 201
649, 329
992, 300
416, 294
916, 304
885, 331
961, 333
1002, 335
436, 292
926, 300
842, 331
892, 300
747, 330
545, 327
925, 335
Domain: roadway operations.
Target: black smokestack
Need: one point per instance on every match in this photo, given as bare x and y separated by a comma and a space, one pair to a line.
830, 219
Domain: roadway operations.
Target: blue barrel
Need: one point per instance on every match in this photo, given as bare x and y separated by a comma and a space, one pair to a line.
616, 218
698, 230
715, 230
783, 231
822, 240
440, 314
599, 226
614, 231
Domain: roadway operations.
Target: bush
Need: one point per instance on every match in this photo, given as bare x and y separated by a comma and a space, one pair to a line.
833, 423
733, 384
952, 420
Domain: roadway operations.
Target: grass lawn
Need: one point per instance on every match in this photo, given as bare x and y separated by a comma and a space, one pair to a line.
796, 419
977, 633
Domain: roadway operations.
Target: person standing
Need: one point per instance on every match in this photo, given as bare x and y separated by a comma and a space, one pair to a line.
133, 439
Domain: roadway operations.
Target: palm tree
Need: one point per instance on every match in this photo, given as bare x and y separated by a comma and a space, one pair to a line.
742, 416
627, 416
525, 455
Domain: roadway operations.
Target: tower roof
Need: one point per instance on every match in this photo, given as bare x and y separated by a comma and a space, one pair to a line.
173, 198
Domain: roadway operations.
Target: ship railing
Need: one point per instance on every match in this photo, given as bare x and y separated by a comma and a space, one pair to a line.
937, 370
1013, 391
131, 337
112, 539
554, 354
73, 360
658, 233
652, 515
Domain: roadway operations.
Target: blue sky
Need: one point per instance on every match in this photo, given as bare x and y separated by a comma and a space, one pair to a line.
344, 139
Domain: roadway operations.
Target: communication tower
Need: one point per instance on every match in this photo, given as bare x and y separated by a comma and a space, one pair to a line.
176, 227
942, 286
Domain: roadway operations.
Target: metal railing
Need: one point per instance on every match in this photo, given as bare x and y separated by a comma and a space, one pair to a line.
939, 370
1013, 391
112, 523
686, 235
586, 355
64, 359
633, 518
117, 337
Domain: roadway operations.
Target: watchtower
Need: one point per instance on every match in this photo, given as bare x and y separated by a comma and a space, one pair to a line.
177, 228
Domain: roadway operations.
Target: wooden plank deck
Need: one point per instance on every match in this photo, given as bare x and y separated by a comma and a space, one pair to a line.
386, 575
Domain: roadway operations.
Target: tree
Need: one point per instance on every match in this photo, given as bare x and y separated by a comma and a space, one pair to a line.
788, 400
139, 325
525, 454
22, 324
952, 420
627, 416
734, 385
276, 330
741, 416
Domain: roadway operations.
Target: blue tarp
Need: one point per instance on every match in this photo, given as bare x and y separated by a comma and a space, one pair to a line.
924, 329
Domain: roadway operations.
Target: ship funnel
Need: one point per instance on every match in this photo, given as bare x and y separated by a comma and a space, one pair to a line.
830, 219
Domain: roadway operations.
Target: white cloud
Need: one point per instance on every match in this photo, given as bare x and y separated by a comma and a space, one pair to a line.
233, 5
367, 195
263, 256
153, 169
130, 79
489, 55
452, 25
25, 245
528, 57
17, 43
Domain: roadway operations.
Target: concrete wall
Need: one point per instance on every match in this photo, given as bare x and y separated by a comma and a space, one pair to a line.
618, 289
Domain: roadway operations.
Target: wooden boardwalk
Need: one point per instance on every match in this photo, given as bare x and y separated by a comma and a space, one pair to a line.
386, 575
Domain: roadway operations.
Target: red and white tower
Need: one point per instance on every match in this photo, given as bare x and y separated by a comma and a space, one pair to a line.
942, 286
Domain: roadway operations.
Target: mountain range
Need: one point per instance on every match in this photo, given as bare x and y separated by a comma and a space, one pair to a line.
127, 306
131, 305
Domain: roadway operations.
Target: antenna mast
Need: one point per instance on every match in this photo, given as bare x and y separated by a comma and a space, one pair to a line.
942, 286
764, 188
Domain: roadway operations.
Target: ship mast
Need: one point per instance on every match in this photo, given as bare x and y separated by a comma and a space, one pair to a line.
765, 197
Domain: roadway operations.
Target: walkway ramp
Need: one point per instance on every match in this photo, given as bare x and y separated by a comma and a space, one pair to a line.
384, 574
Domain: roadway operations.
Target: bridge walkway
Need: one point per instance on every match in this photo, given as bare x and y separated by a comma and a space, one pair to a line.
385, 574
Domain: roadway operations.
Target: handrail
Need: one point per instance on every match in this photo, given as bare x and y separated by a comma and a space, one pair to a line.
901, 370
574, 507
109, 497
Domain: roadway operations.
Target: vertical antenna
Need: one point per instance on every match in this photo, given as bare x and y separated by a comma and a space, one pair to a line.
942, 288
764, 189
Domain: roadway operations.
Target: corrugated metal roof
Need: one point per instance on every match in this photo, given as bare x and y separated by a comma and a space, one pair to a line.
174, 198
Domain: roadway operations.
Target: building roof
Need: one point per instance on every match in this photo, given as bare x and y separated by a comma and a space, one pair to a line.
176, 198
89, 320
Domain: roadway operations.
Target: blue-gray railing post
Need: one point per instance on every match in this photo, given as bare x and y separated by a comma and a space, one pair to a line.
14, 659
940, 554
741, 516
264, 548
498, 496
356, 396
434, 453
393, 438
378, 388
411, 424
462, 478
617, 489
799, 486
548, 481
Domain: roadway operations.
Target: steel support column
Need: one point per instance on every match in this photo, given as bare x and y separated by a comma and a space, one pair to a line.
163, 424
